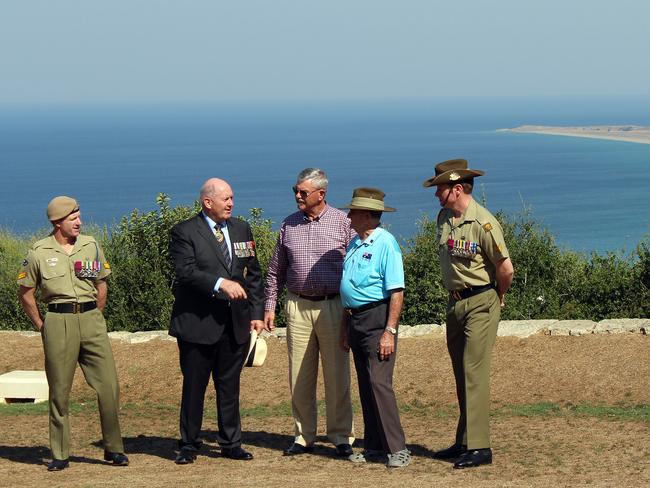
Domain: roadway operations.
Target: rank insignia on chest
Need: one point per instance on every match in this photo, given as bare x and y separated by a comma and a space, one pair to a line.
462, 248
87, 269
244, 249
367, 255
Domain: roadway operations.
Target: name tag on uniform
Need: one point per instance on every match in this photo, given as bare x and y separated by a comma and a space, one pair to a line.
462, 248
244, 249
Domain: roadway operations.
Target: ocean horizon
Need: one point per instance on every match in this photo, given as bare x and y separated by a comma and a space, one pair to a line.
590, 194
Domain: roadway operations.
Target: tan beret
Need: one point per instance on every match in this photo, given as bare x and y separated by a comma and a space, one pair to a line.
60, 207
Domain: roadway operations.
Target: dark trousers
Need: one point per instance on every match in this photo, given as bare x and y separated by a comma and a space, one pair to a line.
382, 427
223, 360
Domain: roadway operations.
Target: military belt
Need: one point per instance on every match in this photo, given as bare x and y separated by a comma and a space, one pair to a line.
71, 307
470, 291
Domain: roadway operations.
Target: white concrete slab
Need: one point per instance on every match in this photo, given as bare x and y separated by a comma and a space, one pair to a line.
23, 385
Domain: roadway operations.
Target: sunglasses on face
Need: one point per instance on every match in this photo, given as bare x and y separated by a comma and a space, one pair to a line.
303, 193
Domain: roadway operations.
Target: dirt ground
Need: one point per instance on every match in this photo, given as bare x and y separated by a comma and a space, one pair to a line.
558, 449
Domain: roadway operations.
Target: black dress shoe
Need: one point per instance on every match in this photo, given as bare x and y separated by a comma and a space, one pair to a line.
185, 456
344, 450
117, 458
238, 453
474, 458
451, 452
58, 464
295, 449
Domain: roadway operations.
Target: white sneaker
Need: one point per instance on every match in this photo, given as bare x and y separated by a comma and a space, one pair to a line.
369, 455
400, 459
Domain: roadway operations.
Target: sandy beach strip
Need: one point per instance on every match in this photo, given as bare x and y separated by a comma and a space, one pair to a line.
624, 133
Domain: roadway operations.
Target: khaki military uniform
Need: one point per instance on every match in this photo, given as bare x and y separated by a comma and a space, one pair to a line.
69, 338
470, 247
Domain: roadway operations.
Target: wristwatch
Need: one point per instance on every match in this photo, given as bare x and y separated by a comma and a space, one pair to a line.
392, 330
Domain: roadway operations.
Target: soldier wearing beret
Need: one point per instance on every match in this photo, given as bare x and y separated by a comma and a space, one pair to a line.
477, 272
69, 270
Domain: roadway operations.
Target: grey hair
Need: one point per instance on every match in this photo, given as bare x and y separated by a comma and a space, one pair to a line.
316, 175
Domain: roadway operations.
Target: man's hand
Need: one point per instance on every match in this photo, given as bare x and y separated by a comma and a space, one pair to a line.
257, 326
269, 320
386, 345
28, 301
344, 344
232, 290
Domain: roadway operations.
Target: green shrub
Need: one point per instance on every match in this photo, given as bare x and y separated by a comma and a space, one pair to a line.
12, 252
550, 282
425, 298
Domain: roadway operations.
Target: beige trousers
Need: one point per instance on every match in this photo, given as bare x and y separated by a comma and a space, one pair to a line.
313, 328
471, 331
69, 339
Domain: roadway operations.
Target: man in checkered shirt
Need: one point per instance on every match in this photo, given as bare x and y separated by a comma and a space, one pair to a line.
308, 259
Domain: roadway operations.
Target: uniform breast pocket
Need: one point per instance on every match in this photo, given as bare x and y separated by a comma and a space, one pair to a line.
51, 273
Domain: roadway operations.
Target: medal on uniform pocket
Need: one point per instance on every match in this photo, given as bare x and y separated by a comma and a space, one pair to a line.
87, 269
462, 248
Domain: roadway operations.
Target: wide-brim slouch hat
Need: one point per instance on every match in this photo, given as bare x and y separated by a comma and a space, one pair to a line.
368, 199
452, 171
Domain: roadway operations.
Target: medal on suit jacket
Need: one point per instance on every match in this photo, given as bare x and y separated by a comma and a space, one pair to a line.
244, 249
219, 235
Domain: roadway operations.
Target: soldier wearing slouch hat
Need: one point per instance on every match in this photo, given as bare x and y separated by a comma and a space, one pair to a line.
69, 270
477, 271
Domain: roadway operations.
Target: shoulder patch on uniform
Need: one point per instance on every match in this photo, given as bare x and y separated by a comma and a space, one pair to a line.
21, 275
487, 227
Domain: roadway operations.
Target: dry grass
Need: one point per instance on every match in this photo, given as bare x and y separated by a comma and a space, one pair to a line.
534, 444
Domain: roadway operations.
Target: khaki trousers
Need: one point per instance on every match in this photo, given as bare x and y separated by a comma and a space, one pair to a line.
313, 328
67, 339
471, 331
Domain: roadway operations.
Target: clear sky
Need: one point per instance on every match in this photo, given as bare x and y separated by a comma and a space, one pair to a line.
216, 50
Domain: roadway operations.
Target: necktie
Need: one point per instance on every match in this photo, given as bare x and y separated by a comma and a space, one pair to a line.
223, 244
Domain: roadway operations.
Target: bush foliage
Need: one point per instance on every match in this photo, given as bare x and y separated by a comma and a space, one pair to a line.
550, 282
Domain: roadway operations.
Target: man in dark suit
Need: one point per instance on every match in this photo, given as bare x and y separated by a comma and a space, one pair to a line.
219, 299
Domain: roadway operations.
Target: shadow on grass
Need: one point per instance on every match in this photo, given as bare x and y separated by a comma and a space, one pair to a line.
39, 455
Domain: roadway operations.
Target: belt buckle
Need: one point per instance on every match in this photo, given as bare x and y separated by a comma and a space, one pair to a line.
456, 295
76, 307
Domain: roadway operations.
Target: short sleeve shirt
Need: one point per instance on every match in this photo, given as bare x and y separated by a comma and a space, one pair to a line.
371, 269
63, 278
470, 248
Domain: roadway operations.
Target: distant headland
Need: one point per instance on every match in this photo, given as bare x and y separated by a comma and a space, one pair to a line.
625, 133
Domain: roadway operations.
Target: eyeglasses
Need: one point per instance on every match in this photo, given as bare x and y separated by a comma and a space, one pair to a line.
303, 193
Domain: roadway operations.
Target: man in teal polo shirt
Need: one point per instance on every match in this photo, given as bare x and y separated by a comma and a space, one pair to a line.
372, 291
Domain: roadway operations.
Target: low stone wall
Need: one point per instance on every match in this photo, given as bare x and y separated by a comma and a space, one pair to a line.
509, 328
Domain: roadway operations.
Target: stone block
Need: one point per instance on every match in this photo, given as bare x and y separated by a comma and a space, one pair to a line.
23, 385
523, 328
572, 327
622, 326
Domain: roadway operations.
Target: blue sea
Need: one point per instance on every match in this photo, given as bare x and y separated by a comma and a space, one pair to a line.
591, 194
